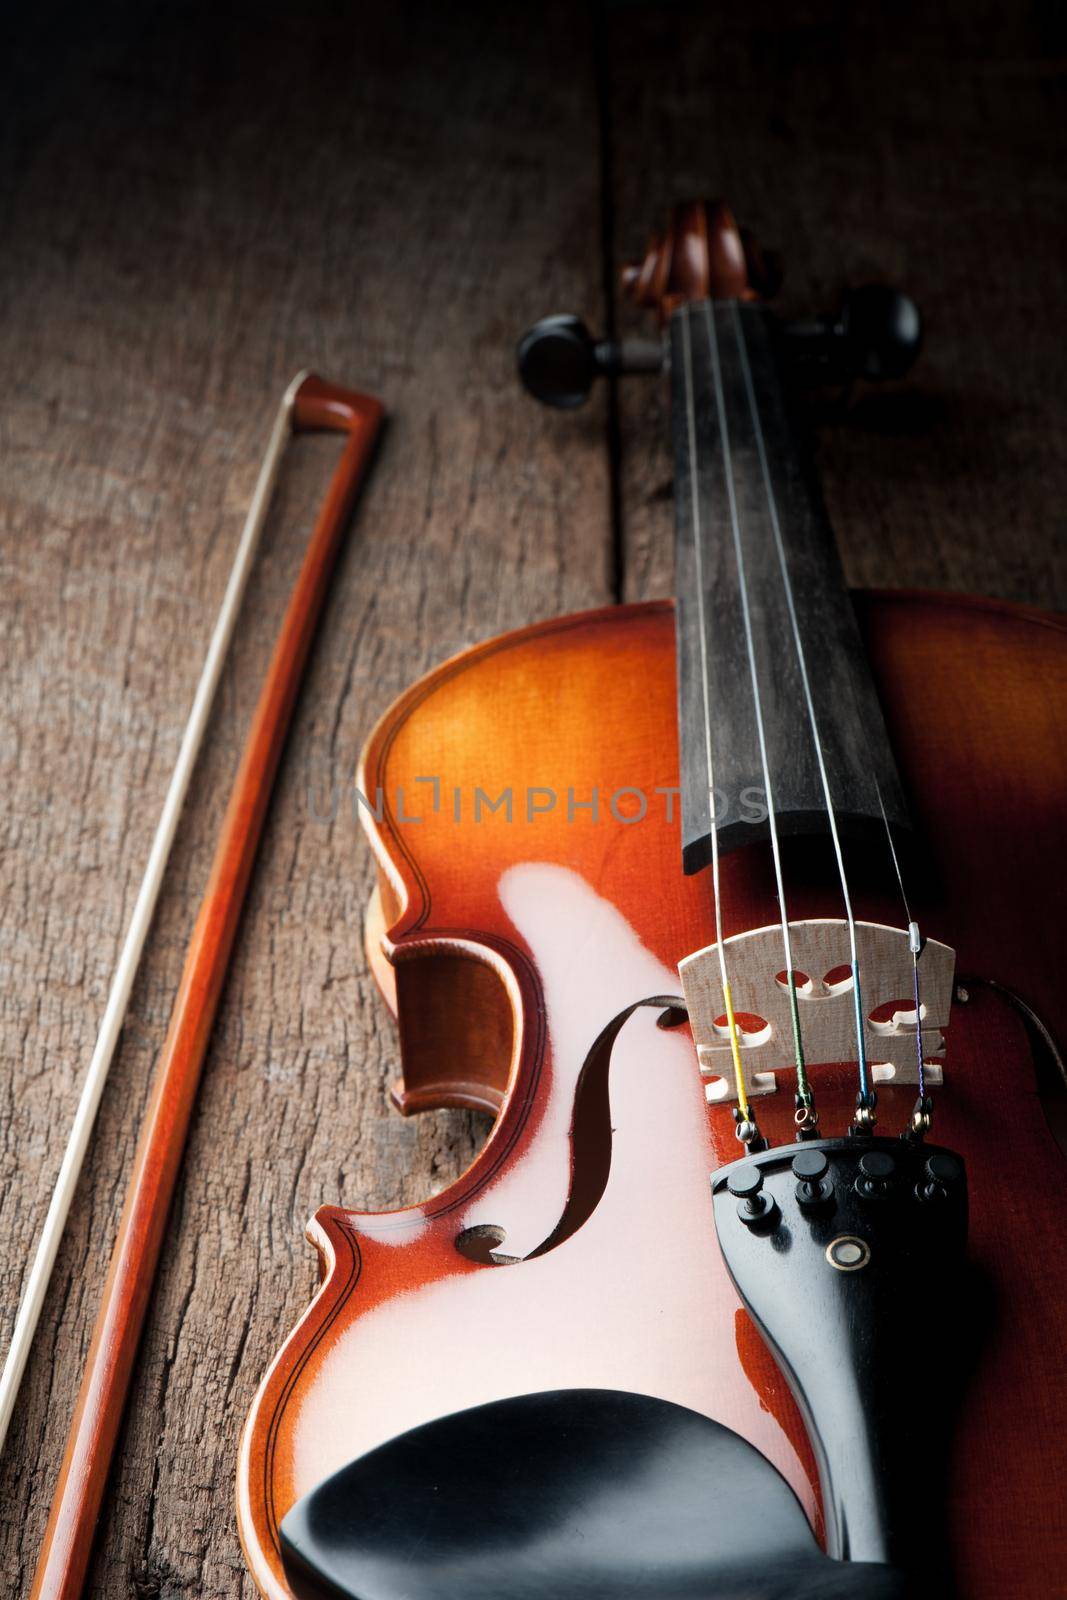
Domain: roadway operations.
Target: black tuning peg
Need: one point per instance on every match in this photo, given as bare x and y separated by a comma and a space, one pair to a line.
559, 358
876, 334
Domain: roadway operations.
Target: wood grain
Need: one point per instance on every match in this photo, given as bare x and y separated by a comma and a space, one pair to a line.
922, 146
195, 202
127, 1292
206, 201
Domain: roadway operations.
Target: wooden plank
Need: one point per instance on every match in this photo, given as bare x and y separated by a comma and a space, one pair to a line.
195, 203
198, 203
927, 151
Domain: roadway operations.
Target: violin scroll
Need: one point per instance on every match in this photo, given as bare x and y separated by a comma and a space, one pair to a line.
701, 255
875, 334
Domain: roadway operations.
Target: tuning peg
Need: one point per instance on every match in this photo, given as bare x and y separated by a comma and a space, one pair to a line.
559, 358
876, 334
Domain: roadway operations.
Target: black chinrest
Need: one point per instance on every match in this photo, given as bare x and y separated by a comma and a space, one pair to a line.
579, 1494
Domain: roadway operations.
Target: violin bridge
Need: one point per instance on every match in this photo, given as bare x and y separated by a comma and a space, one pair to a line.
824, 988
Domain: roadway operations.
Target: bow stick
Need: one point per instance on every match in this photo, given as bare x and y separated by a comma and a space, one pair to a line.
118, 999
309, 403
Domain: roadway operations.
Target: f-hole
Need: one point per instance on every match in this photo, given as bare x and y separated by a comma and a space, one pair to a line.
591, 1124
590, 1143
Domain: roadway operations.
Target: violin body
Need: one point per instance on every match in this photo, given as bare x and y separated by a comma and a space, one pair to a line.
579, 1248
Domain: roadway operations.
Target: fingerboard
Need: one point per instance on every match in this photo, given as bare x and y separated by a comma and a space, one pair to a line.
751, 527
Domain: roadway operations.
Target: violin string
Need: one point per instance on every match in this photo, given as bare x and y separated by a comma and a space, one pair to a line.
866, 1097
915, 947
804, 1094
921, 1115
743, 1105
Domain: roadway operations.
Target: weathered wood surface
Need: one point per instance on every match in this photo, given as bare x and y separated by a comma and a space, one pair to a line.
207, 206
197, 200
923, 146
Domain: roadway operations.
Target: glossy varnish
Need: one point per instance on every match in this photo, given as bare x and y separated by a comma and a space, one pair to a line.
507, 945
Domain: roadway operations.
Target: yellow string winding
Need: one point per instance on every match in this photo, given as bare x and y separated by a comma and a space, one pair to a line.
735, 1051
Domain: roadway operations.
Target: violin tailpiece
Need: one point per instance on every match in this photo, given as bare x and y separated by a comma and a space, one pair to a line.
824, 989
842, 1250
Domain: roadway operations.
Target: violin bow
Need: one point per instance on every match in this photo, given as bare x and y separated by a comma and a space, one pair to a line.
308, 404
144, 909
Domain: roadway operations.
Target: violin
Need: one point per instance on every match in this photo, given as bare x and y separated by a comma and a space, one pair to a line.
740, 913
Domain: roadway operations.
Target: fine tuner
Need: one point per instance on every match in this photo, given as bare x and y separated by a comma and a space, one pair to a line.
874, 335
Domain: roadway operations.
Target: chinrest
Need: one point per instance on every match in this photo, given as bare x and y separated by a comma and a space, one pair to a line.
579, 1494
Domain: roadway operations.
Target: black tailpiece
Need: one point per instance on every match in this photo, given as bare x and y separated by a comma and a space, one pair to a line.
849, 1255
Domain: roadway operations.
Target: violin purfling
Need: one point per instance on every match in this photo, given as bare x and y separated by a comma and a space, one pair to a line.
739, 912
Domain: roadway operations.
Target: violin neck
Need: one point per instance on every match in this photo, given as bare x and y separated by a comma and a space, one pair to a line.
758, 581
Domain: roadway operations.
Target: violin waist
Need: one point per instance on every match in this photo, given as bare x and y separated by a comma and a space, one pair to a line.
522, 804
